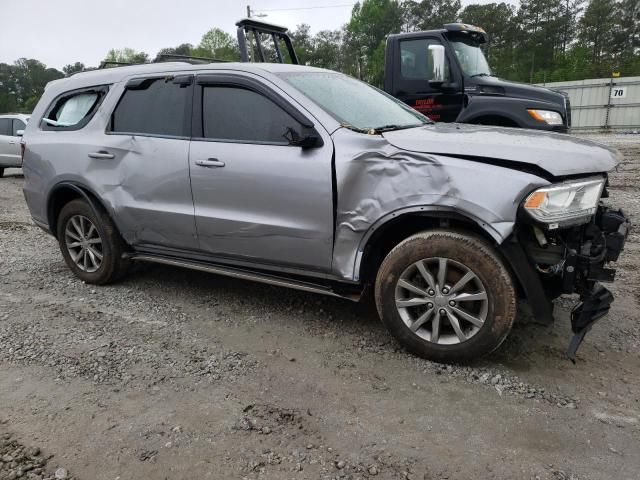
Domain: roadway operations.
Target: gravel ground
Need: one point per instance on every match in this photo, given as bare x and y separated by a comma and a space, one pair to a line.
179, 374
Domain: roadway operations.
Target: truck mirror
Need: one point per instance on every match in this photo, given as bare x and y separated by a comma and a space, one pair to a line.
436, 60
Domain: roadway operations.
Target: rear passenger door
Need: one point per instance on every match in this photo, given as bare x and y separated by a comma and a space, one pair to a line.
142, 161
258, 198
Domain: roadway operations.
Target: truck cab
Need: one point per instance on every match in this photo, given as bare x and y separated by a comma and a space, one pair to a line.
445, 75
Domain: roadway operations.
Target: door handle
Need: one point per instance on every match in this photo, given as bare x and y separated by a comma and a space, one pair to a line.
12, 143
102, 155
210, 163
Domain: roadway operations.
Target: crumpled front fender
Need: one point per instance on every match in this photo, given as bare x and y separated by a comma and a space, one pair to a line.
377, 182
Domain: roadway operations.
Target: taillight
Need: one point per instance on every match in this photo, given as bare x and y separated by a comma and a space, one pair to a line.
23, 147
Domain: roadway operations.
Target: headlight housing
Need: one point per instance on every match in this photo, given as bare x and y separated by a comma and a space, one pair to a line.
568, 203
546, 116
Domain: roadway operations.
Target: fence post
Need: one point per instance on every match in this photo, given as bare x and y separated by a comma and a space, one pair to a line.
606, 118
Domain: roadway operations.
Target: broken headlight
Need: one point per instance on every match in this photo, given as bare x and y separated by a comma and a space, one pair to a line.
568, 203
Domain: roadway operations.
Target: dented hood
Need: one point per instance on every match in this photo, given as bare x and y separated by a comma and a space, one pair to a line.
557, 154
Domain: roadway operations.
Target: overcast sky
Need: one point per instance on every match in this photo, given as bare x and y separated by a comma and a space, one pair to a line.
59, 32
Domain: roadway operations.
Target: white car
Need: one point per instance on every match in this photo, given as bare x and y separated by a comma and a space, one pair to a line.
11, 129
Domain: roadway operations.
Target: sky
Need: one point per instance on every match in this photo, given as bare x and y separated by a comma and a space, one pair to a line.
67, 31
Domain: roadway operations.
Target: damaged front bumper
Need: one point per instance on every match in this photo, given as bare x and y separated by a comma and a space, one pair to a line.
550, 263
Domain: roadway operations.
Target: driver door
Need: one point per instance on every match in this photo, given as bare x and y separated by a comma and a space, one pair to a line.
257, 198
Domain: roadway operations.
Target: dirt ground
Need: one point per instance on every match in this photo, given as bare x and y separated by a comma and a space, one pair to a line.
174, 374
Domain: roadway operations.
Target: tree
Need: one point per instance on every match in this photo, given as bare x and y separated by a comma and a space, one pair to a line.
22, 84
498, 19
626, 32
303, 43
184, 49
596, 28
218, 44
126, 55
73, 68
371, 22
327, 50
428, 14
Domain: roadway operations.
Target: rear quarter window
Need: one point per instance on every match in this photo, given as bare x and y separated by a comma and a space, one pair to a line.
73, 110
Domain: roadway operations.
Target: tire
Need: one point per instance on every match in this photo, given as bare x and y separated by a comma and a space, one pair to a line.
1, 172
76, 217
471, 262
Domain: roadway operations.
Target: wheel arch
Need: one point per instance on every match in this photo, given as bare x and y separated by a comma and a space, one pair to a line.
394, 227
66, 192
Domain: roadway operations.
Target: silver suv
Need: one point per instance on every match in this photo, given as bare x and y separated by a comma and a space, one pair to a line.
309, 179
11, 129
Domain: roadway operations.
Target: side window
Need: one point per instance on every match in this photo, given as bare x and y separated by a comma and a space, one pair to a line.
17, 125
73, 111
155, 106
5, 126
240, 115
416, 62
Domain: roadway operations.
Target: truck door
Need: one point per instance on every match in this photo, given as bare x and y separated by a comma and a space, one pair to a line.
411, 72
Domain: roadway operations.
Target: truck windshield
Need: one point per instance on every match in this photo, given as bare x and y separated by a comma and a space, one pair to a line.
354, 103
471, 58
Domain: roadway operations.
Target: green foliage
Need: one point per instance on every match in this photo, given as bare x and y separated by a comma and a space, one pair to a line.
22, 84
371, 22
73, 68
185, 49
218, 44
428, 14
126, 55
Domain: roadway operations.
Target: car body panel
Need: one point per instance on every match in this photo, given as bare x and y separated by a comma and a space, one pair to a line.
283, 207
268, 203
378, 182
10, 154
557, 154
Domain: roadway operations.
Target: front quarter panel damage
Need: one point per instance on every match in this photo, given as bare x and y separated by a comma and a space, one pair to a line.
376, 182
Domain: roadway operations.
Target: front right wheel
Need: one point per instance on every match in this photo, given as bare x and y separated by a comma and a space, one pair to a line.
446, 296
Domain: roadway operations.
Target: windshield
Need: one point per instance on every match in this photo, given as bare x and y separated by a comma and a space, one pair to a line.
354, 103
471, 58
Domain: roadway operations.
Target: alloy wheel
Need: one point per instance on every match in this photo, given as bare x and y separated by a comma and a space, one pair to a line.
441, 300
84, 243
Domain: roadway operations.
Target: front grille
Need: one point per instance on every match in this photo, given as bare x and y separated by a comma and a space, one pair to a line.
567, 106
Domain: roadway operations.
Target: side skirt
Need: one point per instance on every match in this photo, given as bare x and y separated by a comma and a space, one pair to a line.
249, 275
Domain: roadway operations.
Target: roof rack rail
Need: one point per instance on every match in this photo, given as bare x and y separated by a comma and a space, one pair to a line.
107, 63
164, 57
275, 31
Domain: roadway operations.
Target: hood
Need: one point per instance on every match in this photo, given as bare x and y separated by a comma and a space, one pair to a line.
556, 153
494, 85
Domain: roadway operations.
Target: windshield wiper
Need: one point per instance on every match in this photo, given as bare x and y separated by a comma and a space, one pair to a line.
388, 128
384, 128
482, 75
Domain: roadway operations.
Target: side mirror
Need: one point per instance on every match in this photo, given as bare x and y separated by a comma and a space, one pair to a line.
309, 138
436, 59
19, 133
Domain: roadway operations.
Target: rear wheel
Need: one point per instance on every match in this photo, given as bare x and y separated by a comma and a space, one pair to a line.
90, 244
446, 296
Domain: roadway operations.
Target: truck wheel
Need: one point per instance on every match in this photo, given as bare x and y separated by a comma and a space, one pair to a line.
90, 244
446, 296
